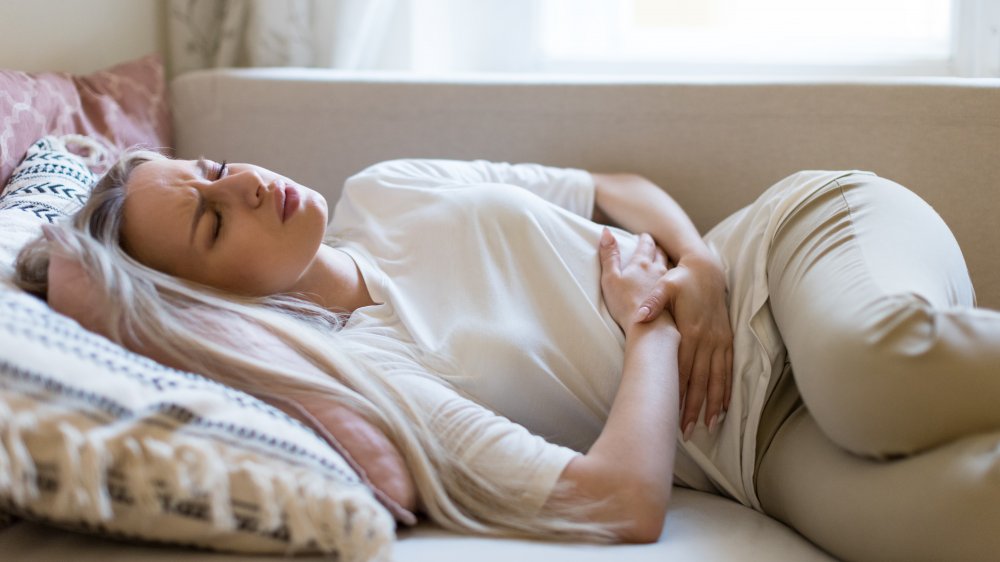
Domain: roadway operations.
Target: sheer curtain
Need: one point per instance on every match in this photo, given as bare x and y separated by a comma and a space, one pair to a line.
348, 34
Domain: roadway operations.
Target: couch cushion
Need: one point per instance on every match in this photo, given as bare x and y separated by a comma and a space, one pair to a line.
699, 527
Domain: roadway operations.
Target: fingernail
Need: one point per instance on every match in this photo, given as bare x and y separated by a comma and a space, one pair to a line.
644, 312
688, 431
606, 237
712, 422
722, 416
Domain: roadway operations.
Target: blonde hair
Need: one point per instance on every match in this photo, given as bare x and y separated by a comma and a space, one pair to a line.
148, 305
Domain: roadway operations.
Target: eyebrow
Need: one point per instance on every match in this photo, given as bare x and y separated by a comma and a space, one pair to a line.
202, 165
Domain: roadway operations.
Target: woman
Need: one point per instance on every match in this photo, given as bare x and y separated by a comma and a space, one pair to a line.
454, 281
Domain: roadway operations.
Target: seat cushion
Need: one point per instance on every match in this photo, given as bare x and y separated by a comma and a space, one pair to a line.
699, 527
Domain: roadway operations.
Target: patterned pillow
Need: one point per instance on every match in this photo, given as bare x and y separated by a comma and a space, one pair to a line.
49, 183
99, 439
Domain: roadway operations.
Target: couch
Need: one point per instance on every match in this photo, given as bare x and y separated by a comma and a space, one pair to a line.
714, 144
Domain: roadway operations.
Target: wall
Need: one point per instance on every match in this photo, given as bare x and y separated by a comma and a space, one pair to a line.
79, 35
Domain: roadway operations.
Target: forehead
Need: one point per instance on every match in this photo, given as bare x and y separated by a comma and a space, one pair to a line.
160, 185
163, 173
159, 204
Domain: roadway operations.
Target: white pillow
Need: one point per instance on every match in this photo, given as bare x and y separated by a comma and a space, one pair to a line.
96, 438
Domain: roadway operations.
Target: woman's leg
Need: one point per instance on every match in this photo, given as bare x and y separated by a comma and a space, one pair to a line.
873, 301
895, 454
941, 504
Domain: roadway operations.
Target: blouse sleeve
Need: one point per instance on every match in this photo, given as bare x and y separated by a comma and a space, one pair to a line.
569, 188
495, 447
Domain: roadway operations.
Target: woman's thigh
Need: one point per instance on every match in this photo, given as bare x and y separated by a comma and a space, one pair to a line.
872, 297
942, 504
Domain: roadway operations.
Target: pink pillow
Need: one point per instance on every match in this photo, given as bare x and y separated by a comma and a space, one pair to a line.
124, 105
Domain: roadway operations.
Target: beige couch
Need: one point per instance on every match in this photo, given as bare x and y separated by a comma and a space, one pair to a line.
715, 145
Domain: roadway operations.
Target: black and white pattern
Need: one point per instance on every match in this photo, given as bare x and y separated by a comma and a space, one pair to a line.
50, 183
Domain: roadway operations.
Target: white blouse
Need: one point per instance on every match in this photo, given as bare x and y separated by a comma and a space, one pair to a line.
495, 267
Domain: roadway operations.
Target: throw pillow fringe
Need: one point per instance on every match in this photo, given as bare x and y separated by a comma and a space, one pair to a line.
190, 469
82, 467
270, 512
93, 151
17, 469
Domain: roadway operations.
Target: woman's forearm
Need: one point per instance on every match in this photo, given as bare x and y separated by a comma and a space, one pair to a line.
631, 463
641, 431
639, 205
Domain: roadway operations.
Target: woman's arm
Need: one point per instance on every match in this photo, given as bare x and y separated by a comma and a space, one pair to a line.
630, 466
638, 205
694, 291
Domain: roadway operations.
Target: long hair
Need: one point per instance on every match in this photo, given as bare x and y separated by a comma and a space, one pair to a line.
147, 305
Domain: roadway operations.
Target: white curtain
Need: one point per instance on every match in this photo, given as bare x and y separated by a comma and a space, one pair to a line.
473, 35
350, 34
427, 36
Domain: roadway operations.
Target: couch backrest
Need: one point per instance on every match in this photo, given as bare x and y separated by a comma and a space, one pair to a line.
714, 145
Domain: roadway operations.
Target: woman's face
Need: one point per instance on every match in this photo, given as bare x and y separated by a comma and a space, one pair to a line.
244, 229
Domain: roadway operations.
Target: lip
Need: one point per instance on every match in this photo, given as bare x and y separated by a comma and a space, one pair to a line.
286, 200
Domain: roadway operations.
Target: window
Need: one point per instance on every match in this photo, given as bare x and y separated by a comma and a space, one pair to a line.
856, 37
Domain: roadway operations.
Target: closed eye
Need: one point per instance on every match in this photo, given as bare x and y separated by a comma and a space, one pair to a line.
223, 168
218, 225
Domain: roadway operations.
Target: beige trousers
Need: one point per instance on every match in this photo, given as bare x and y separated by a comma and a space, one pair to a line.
893, 452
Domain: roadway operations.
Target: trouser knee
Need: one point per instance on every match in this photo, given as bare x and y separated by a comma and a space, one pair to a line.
854, 377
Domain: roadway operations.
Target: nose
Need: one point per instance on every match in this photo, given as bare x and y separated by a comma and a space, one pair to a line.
245, 186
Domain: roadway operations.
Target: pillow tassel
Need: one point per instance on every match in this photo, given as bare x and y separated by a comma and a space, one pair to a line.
363, 534
83, 463
269, 516
301, 530
70, 495
207, 471
94, 460
95, 155
6, 468
138, 477
18, 475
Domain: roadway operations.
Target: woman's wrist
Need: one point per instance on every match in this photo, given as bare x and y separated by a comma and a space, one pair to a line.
663, 326
701, 258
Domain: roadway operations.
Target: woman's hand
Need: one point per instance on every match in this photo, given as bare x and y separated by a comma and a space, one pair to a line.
627, 287
695, 293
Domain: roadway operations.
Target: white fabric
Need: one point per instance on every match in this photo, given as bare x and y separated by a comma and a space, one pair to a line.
491, 444
504, 281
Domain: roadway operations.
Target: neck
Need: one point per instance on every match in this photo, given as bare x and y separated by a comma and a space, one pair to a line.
334, 281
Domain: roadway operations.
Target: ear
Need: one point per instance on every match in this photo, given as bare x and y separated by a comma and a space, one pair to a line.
71, 290
54, 234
